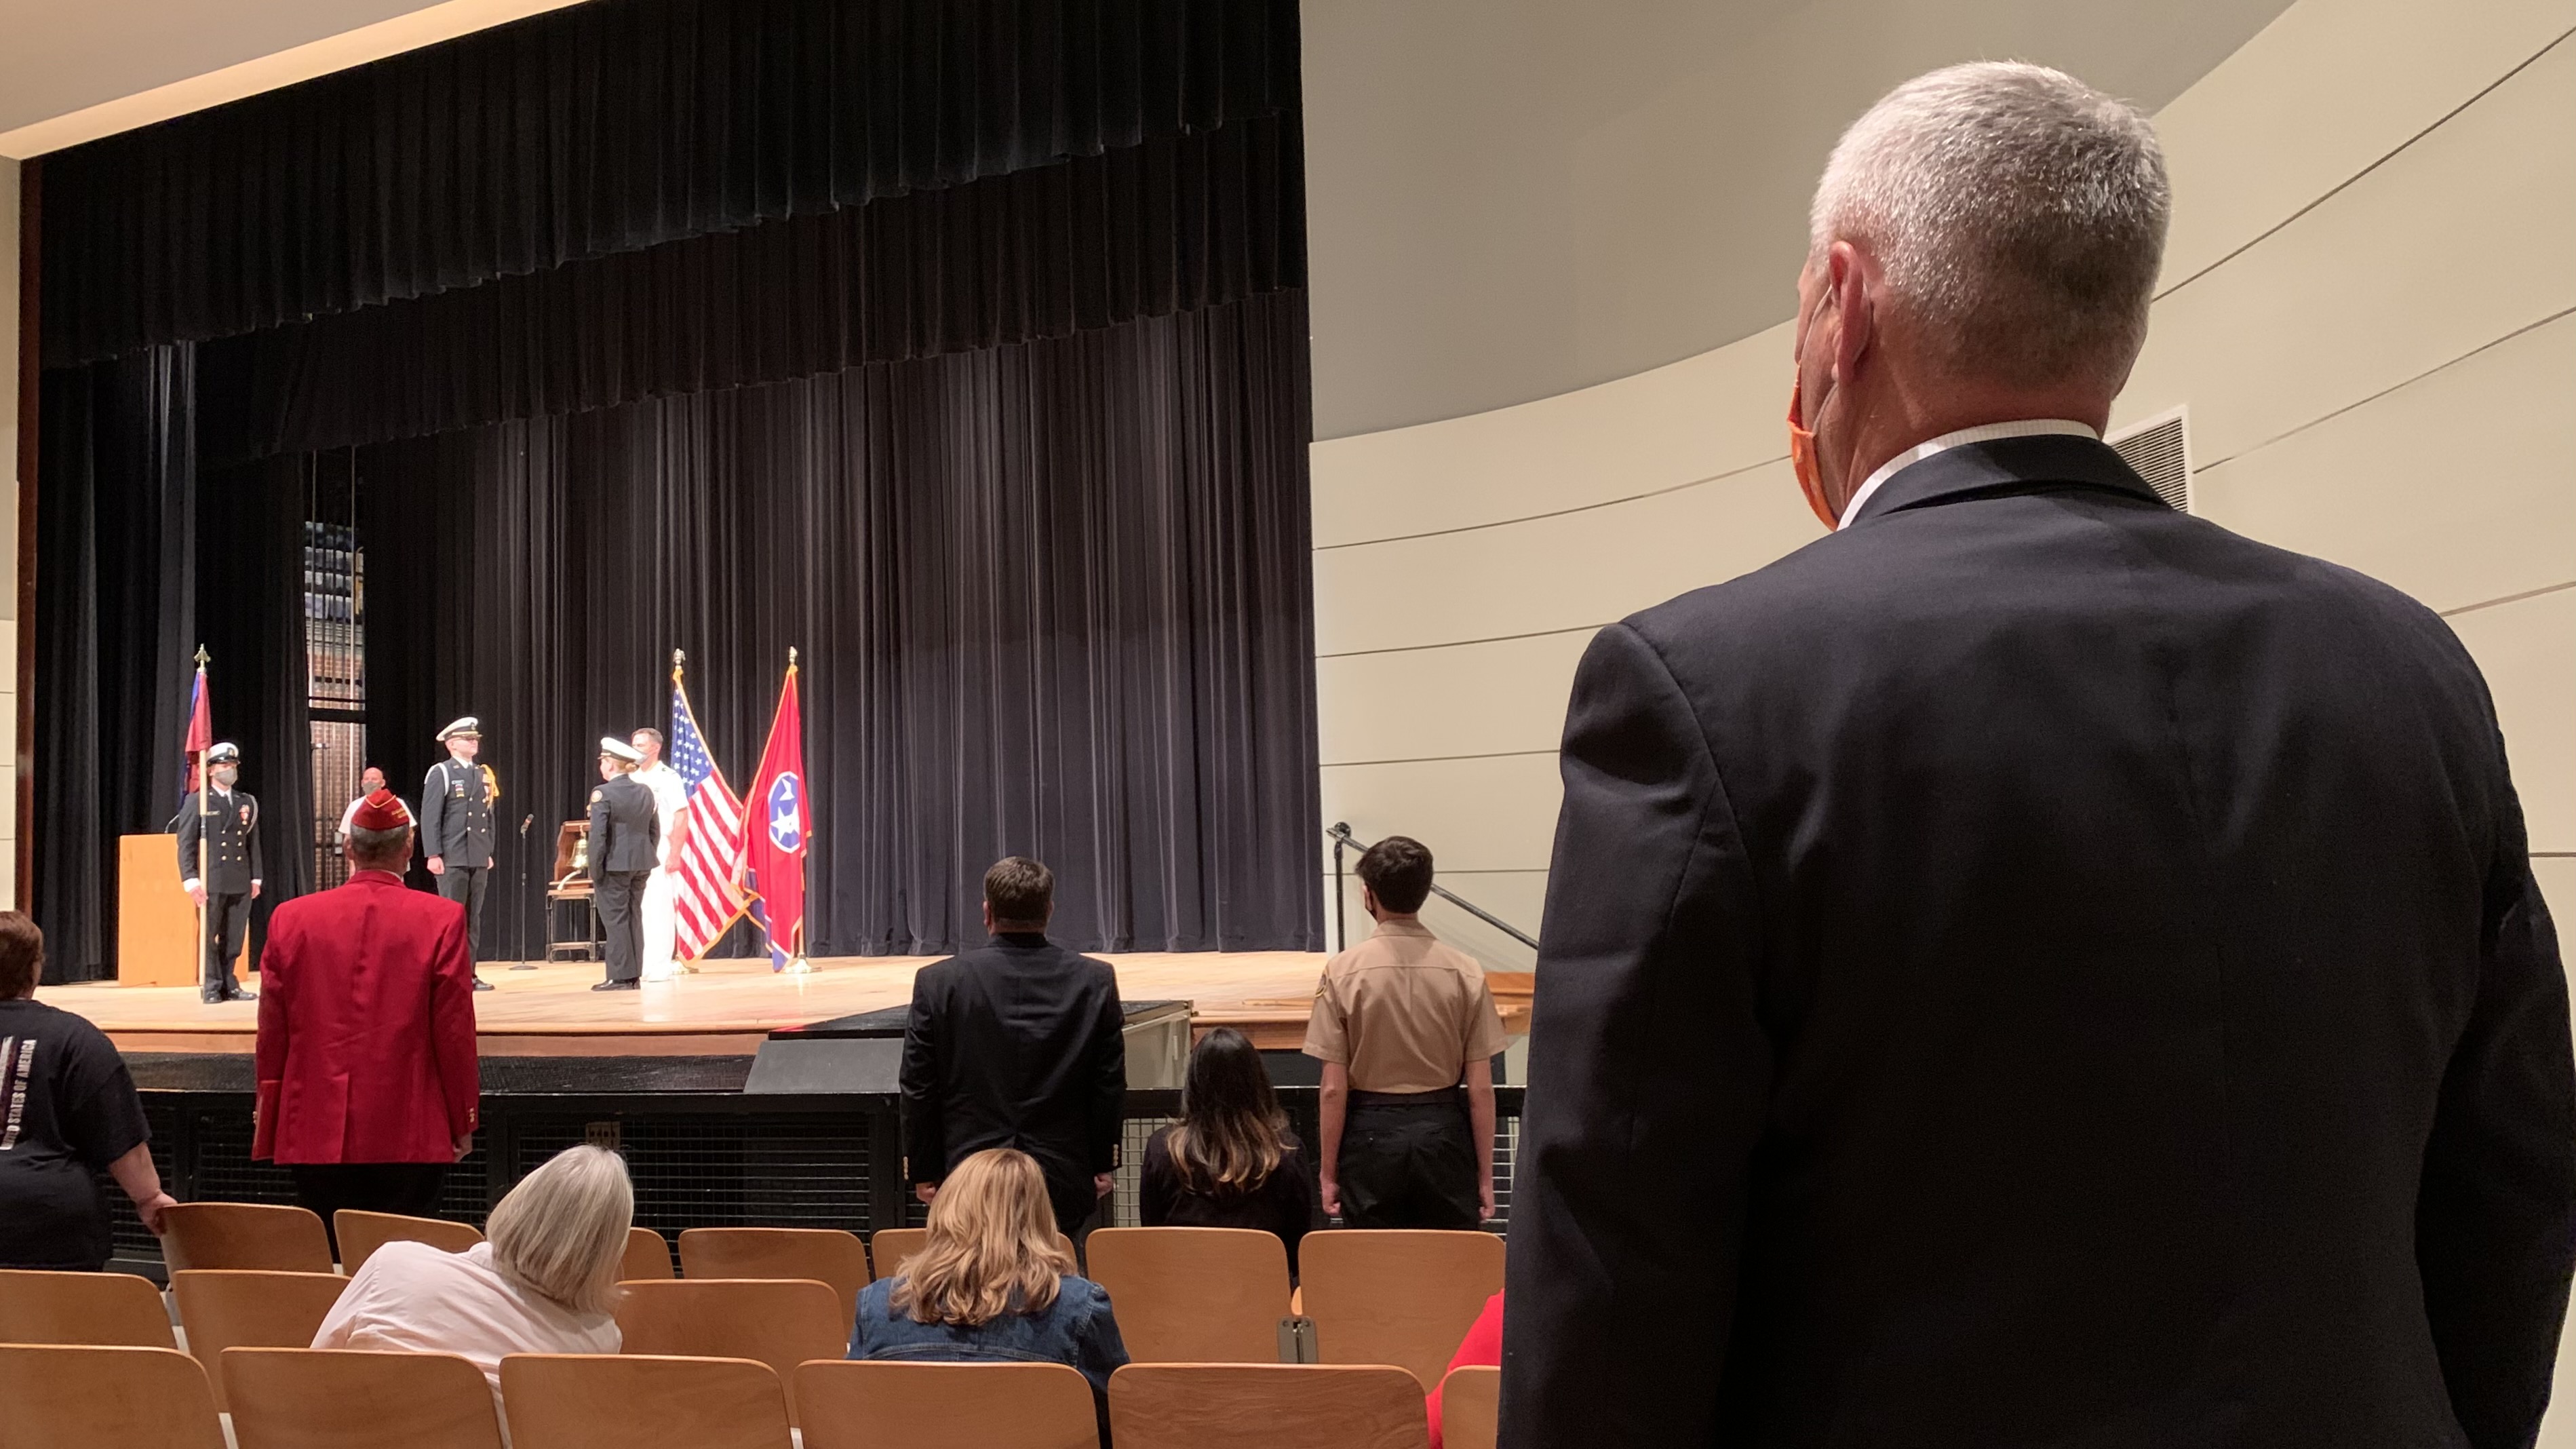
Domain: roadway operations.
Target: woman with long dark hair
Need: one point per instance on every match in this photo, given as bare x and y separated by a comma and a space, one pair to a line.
1230, 1162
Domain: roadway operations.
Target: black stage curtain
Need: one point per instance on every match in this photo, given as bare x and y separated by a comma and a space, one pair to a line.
609, 127
250, 605
1150, 229
116, 549
1053, 598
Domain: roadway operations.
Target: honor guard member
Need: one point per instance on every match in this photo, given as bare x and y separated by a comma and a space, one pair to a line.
228, 821
625, 846
456, 825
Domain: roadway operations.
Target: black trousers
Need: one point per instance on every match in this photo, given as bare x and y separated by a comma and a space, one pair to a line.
1409, 1161
465, 883
619, 894
409, 1188
227, 922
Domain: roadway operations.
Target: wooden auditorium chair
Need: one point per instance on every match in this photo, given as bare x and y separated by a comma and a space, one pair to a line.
861, 1405
888, 1247
1264, 1406
826, 1255
781, 1322
264, 1236
242, 1308
1194, 1295
648, 1257
59, 1397
642, 1401
1397, 1295
361, 1233
331, 1398
1471, 1412
95, 1309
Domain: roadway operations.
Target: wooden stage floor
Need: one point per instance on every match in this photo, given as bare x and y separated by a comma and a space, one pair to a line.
729, 1006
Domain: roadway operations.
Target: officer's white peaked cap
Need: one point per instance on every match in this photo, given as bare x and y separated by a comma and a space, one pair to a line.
470, 727
225, 751
611, 745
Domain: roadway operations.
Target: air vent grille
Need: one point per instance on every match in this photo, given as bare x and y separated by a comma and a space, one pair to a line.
2160, 450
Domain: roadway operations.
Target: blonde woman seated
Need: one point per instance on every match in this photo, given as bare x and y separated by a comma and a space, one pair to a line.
991, 1284
545, 1281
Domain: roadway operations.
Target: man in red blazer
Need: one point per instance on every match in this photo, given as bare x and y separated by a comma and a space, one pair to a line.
368, 1087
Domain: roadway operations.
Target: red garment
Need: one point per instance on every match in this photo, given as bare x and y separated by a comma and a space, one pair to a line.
366, 1027
1481, 1348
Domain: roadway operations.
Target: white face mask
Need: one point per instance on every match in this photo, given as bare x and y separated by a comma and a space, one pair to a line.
225, 775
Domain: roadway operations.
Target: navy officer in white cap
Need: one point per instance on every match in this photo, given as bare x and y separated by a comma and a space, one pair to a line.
227, 820
625, 846
456, 826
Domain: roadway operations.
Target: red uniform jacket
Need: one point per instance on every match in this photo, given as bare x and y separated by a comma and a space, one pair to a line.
366, 1027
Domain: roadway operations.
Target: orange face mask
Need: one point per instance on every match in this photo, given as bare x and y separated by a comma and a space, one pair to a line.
1802, 456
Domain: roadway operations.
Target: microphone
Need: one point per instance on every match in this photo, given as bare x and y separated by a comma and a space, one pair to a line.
524, 824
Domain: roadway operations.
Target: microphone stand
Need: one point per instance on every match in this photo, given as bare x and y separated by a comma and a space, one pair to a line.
519, 922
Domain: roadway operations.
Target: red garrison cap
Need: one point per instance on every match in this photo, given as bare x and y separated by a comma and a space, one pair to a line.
381, 811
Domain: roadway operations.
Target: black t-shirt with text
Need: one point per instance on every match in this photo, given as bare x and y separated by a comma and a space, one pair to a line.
67, 1110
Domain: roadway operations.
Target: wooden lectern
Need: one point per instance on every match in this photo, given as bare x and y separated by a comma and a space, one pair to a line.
156, 923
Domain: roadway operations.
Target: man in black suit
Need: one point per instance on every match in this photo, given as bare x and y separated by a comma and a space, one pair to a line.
625, 845
1018, 1044
2031, 967
220, 824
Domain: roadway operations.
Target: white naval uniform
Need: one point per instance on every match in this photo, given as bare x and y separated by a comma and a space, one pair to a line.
661, 906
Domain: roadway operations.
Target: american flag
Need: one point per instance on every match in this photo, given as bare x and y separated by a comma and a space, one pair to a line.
711, 855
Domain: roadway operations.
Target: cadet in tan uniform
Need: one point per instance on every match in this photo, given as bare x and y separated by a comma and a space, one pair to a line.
1407, 1031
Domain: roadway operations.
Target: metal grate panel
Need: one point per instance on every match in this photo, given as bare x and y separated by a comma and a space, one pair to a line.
804, 1171
2159, 449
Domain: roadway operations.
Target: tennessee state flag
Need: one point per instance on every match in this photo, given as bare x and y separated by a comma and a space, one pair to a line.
777, 826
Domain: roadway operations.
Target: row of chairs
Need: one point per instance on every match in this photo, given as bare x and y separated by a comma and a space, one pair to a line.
286, 1398
1182, 1295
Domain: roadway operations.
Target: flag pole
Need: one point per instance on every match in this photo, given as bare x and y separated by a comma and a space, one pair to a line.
205, 888
797, 965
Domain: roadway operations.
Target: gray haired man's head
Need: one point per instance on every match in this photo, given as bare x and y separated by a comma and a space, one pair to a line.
2017, 215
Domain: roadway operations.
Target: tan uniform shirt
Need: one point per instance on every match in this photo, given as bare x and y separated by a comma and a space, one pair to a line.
1403, 1012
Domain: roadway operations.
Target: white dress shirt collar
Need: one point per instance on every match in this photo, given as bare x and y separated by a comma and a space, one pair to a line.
1981, 433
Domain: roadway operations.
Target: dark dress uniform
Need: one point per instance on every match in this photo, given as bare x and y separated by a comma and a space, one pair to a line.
625, 845
231, 830
456, 825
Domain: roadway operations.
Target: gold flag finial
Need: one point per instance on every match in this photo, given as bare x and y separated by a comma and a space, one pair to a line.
791, 656
201, 656
678, 658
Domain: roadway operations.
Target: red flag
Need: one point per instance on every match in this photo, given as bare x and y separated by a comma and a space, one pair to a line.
201, 734
776, 825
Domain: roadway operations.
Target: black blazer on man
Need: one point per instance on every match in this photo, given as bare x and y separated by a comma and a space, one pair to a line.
1017, 1044
231, 829
625, 829
2036, 968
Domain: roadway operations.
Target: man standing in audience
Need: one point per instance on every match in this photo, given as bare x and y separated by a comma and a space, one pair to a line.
1019, 1044
456, 826
368, 1084
1407, 1031
2032, 966
660, 910
625, 836
225, 821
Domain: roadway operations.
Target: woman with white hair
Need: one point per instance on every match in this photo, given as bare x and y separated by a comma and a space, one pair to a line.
991, 1283
543, 1282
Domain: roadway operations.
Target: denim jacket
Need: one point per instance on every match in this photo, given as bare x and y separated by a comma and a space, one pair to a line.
1077, 1330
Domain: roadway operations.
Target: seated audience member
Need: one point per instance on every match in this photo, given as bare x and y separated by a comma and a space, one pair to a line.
545, 1282
990, 1283
67, 1113
1407, 1031
1230, 1162
1481, 1348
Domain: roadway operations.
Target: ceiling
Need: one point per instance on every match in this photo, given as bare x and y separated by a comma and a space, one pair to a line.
1506, 199
1509, 199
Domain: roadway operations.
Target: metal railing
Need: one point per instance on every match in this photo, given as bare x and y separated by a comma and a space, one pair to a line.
1340, 835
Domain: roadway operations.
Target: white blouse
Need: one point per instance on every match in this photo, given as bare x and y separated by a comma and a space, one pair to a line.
410, 1297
